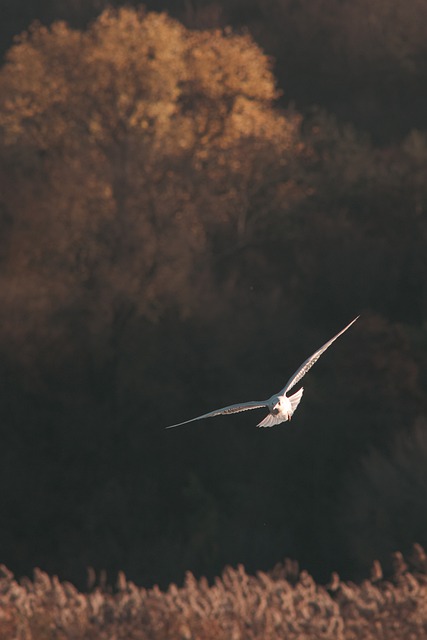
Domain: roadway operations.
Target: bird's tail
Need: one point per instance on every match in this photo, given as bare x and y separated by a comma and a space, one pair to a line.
269, 421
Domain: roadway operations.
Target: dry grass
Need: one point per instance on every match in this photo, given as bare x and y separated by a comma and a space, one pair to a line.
284, 603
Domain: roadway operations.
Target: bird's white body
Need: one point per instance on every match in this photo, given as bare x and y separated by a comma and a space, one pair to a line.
281, 407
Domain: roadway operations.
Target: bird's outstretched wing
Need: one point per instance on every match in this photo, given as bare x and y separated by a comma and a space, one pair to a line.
232, 408
306, 366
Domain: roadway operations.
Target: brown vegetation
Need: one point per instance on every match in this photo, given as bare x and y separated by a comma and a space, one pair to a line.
284, 603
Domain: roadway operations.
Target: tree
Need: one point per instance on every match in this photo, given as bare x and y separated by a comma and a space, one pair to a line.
383, 499
138, 148
134, 156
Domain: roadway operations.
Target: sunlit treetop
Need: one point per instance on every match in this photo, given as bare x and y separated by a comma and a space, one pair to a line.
135, 71
148, 145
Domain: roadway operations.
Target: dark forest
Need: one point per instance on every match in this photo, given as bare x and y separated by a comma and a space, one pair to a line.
193, 198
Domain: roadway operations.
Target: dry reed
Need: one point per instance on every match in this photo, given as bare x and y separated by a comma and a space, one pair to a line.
284, 603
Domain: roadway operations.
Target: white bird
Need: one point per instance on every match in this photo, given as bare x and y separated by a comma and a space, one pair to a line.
280, 406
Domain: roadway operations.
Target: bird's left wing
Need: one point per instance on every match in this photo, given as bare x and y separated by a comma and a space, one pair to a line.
306, 366
232, 408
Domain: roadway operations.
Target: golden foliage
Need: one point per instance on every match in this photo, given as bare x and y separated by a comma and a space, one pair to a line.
128, 145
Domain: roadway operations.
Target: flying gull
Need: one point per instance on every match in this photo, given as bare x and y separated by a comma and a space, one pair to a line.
280, 406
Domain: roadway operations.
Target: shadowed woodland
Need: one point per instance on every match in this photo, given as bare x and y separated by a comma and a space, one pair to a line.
191, 203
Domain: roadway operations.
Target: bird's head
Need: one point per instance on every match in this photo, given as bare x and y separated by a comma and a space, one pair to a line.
276, 408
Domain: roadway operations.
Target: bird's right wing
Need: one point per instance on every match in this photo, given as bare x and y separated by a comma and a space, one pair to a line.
307, 364
232, 408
